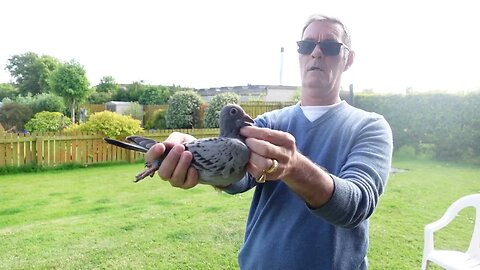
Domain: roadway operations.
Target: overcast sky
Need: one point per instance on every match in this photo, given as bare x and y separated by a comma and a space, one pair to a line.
426, 45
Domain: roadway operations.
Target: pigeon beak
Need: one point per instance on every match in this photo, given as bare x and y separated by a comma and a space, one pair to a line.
247, 120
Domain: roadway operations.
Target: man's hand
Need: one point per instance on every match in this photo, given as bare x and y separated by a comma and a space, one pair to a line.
308, 180
175, 167
268, 144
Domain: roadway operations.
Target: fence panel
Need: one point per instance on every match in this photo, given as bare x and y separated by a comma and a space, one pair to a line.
54, 149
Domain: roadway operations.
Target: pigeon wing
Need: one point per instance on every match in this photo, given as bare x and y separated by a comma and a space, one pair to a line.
219, 160
146, 143
125, 145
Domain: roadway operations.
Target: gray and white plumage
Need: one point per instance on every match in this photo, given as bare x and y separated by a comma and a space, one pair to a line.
219, 161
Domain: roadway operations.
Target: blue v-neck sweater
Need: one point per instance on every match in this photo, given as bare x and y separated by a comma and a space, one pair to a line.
282, 232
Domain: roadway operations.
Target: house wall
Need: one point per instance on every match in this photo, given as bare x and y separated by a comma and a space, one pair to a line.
280, 95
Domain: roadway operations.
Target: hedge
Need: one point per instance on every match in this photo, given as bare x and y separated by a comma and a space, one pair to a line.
446, 125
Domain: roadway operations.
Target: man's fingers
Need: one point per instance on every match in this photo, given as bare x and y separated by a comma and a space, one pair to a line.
180, 173
192, 178
259, 164
264, 148
157, 149
169, 145
177, 137
170, 162
273, 136
254, 170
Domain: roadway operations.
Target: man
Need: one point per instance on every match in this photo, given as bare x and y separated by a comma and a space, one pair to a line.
318, 167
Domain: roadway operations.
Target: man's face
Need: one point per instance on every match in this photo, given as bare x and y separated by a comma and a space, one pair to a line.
320, 73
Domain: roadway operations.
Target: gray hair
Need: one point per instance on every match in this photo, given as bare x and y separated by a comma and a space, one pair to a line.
318, 17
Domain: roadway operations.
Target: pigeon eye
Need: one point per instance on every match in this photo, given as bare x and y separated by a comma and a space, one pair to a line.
233, 111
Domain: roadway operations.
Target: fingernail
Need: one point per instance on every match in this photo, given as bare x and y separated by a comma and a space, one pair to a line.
179, 148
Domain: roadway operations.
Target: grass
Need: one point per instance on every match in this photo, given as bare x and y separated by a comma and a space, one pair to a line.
96, 218
413, 199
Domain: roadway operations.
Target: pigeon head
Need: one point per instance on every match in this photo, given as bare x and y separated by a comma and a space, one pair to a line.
232, 118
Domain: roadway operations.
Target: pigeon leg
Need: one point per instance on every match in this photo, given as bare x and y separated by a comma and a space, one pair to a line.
149, 171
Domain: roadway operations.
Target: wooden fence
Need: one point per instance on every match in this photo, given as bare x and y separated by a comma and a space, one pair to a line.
54, 149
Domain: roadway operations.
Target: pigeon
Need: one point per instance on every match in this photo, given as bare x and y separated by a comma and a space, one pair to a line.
219, 161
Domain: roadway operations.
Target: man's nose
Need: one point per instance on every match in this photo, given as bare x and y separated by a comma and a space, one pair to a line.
317, 52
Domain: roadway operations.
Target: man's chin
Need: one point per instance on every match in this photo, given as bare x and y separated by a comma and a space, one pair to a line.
314, 85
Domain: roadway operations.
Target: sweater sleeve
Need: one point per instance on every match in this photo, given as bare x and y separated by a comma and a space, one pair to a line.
362, 178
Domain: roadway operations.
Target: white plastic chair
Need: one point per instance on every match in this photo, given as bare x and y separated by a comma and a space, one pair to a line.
450, 259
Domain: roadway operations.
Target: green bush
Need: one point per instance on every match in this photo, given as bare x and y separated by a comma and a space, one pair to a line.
183, 110
48, 122
48, 102
157, 121
110, 124
215, 105
41, 102
25, 100
99, 97
15, 115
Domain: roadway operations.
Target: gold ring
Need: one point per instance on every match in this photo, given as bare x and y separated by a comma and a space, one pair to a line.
272, 168
262, 178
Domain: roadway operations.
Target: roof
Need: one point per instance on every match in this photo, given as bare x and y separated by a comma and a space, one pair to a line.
241, 90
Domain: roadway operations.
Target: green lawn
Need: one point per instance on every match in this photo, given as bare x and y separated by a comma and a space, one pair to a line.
96, 218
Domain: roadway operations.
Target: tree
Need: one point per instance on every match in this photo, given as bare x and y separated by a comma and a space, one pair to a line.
104, 91
31, 72
7, 90
69, 81
134, 90
107, 85
131, 93
154, 95
121, 95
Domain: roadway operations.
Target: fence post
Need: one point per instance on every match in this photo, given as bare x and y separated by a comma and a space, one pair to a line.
130, 156
351, 95
38, 141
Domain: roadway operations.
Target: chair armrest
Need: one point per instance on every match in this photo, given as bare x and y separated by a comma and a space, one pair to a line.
433, 227
439, 224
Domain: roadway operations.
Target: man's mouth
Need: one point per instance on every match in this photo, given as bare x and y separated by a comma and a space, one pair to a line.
314, 68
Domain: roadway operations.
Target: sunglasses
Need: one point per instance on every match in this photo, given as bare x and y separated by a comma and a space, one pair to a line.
328, 47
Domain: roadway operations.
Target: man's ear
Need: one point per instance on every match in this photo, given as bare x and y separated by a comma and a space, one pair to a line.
350, 58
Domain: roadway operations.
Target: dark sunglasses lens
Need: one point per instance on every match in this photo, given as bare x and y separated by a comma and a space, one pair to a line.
330, 48
306, 46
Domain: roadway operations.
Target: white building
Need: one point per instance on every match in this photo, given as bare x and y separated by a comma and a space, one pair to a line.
267, 93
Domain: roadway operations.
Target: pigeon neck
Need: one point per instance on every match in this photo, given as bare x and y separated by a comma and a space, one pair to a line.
235, 135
